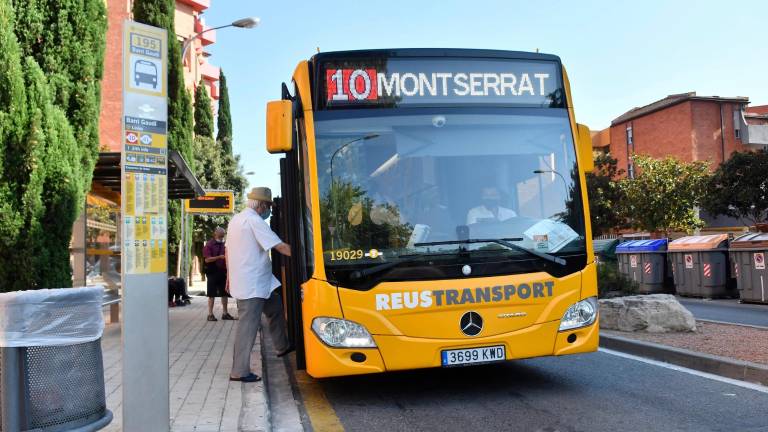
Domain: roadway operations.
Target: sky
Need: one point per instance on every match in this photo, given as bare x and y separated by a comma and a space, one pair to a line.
618, 54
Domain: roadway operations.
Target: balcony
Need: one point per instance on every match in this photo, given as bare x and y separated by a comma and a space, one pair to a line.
209, 37
214, 91
756, 135
198, 5
209, 72
751, 127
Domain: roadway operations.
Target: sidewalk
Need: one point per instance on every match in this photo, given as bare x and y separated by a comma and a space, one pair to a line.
201, 396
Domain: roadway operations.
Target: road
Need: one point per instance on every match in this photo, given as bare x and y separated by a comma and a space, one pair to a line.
727, 311
592, 392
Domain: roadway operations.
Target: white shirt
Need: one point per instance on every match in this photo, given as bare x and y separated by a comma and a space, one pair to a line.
249, 240
481, 212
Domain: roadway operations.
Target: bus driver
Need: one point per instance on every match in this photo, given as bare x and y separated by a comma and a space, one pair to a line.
490, 210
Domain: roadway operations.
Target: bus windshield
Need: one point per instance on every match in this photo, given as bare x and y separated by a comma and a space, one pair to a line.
413, 183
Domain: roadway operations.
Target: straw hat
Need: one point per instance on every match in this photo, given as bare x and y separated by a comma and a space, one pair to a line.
260, 194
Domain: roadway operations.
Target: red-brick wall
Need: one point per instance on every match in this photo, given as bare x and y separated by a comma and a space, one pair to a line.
708, 143
688, 131
658, 134
111, 89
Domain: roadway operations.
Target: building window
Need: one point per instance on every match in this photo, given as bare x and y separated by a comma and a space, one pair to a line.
629, 136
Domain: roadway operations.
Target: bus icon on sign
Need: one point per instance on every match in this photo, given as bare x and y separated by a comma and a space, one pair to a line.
146, 139
131, 137
145, 72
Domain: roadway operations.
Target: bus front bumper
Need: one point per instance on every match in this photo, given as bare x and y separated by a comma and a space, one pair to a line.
403, 352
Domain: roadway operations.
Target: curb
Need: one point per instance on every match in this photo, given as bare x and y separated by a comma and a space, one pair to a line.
265, 381
716, 365
732, 323
254, 412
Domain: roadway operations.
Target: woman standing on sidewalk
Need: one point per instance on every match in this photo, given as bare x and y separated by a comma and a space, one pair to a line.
216, 273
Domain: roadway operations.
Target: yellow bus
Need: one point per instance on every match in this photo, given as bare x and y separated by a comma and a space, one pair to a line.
436, 205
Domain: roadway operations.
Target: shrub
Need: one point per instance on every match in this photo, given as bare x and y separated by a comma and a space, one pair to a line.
611, 283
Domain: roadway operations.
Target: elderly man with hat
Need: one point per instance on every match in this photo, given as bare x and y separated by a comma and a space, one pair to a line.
251, 281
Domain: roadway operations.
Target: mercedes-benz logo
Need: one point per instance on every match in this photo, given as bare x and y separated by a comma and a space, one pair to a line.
471, 323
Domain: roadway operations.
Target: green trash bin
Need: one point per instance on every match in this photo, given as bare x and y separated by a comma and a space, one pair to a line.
644, 261
700, 266
748, 253
605, 250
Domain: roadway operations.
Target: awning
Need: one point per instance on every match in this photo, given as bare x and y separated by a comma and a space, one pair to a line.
181, 182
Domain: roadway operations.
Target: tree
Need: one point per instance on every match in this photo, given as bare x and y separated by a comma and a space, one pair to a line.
20, 159
210, 172
203, 112
235, 179
224, 120
160, 13
67, 39
48, 132
664, 195
605, 195
64, 185
739, 187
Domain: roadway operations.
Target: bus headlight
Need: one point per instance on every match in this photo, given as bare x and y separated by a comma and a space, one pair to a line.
339, 333
580, 314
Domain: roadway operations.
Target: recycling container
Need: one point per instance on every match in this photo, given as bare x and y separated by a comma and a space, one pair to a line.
699, 266
605, 250
51, 368
644, 261
748, 253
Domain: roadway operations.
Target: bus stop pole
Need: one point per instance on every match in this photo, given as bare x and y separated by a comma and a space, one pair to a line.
182, 241
144, 261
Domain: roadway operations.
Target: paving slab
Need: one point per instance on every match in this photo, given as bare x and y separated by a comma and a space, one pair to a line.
202, 398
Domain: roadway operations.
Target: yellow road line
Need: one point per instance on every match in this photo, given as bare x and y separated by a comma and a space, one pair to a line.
319, 409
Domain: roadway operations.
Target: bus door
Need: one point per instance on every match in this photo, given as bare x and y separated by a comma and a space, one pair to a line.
288, 221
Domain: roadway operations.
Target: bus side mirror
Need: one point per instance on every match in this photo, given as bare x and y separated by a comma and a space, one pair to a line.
279, 126
586, 159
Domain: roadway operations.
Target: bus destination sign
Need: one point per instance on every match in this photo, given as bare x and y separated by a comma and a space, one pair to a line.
213, 202
442, 82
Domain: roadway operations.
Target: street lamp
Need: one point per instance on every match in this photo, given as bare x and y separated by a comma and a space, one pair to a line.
247, 23
565, 183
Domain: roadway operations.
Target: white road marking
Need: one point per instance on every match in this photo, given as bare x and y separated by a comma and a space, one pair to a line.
743, 384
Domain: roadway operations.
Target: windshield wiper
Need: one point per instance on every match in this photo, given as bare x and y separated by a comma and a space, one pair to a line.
359, 274
504, 242
411, 258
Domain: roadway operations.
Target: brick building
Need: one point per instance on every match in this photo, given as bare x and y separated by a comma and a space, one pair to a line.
686, 126
188, 21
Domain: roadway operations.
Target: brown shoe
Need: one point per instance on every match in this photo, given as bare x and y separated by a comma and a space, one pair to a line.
228, 317
212, 318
